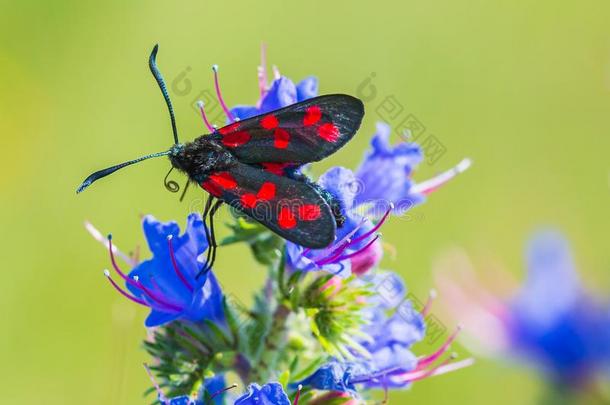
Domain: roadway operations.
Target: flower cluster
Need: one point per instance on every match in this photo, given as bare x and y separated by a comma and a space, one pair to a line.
321, 328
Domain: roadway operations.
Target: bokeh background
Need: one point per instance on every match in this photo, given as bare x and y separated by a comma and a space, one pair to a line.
523, 88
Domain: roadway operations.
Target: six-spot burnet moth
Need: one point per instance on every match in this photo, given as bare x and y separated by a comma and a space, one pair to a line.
253, 164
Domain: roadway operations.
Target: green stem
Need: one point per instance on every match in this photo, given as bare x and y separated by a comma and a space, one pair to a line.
273, 346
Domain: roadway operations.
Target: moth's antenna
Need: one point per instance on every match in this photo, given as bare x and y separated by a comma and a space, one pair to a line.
152, 63
105, 172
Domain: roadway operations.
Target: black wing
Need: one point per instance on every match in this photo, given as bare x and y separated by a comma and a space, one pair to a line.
292, 209
300, 133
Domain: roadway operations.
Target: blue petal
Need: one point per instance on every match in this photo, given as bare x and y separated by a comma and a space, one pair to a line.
244, 111
281, 94
157, 318
182, 400
552, 286
157, 232
384, 174
207, 302
213, 385
342, 184
269, 394
307, 88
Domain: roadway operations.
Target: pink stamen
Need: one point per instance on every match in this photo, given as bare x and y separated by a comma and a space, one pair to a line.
338, 246
418, 374
162, 397
376, 227
433, 184
137, 284
97, 235
334, 255
426, 310
298, 395
357, 252
123, 292
220, 391
175, 265
219, 95
262, 73
209, 126
424, 362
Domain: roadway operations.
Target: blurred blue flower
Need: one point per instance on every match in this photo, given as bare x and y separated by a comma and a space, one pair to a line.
269, 394
167, 283
553, 322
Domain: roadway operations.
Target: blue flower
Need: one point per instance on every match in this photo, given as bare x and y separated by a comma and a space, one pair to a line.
553, 321
168, 283
214, 386
281, 93
385, 175
392, 326
356, 248
269, 394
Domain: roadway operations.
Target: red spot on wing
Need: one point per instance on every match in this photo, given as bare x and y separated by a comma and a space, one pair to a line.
269, 121
329, 132
275, 168
312, 115
223, 180
234, 139
229, 128
309, 212
281, 138
211, 188
267, 191
286, 219
249, 200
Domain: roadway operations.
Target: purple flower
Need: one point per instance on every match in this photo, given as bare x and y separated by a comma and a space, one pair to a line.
269, 394
356, 248
385, 175
281, 93
392, 326
551, 323
168, 283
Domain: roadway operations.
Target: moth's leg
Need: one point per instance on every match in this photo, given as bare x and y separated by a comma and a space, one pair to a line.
208, 237
214, 245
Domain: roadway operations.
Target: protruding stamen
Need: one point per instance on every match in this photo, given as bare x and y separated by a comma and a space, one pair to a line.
428, 186
431, 297
419, 374
376, 227
137, 284
357, 252
262, 72
162, 398
335, 254
424, 362
276, 73
219, 94
209, 126
123, 292
220, 391
97, 235
175, 264
298, 395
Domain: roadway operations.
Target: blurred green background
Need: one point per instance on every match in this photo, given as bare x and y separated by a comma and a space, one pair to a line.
521, 87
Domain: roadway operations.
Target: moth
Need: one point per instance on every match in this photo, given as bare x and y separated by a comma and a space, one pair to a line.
253, 164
